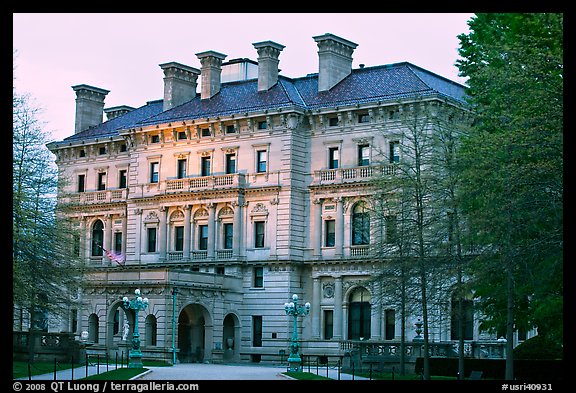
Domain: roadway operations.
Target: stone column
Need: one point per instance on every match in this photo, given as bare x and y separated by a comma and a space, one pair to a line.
339, 241
211, 229
338, 323
316, 307
124, 217
317, 227
237, 241
186, 249
376, 313
139, 245
162, 235
108, 235
84, 244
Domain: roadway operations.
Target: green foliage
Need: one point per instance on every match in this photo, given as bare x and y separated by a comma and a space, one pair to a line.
538, 347
512, 163
45, 267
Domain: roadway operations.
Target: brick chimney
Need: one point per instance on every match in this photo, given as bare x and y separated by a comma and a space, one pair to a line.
89, 106
335, 60
211, 71
268, 53
179, 84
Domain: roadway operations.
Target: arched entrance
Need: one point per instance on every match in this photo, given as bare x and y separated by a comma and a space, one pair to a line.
192, 335
359, 314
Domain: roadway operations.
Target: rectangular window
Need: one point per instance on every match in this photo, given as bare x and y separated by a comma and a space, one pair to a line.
81, 183
202, 237
329, 233
333, 121
101, 181
118, 242
230, 163
123, 148
450, 229
154, 172
230, 129
122, 178
394, 153
181, 169
155, 139
262, 125
102, 150
178, 238
181, 135
205, 166
261, 159
151, 239
77, 245
390, 317
363, 155
82, 153
74, 318
333, 157
228, 236
258, 277
328, 324
259, 234
391, 228
257, 330
363, 118
205, 132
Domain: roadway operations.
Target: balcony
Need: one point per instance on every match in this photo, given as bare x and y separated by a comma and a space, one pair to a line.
352, 175
95, 197
235, 180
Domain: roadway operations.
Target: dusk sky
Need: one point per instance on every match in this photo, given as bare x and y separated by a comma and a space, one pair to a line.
122, 52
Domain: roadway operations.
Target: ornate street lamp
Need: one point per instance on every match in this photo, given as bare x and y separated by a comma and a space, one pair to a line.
137, 304
293, 308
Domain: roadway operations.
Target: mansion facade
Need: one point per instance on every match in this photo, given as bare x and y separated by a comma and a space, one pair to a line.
225, 202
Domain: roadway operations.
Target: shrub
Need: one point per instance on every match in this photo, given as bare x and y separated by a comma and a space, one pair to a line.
538, 347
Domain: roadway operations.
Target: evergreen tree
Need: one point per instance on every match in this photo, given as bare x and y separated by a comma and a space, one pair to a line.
45, 261
512, 163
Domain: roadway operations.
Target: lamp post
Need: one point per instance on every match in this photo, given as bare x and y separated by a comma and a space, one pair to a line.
137, 304
293, 308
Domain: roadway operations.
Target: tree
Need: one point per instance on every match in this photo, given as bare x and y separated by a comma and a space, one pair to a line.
46, 266
512, 161
415, 207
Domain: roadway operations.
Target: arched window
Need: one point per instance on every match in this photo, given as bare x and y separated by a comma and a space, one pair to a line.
151, 330
97, 238
359, 312
93, 326
360, 225
466, 317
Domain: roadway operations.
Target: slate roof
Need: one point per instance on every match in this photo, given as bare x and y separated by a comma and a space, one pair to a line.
363, 85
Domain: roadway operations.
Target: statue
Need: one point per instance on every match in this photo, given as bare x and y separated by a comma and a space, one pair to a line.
125, 331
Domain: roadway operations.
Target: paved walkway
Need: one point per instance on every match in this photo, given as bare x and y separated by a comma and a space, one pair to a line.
66, 375
199, 371
242, 371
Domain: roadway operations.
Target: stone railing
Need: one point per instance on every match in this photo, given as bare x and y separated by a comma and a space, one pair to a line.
205, 182
391, 350
94, 197
46, 346
355, 174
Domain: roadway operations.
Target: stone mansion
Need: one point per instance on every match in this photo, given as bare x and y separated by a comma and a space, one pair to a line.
233, 192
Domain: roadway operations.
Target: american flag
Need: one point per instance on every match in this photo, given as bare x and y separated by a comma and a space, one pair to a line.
114, 257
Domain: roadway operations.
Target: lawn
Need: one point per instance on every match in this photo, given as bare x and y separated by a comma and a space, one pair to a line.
20, 369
